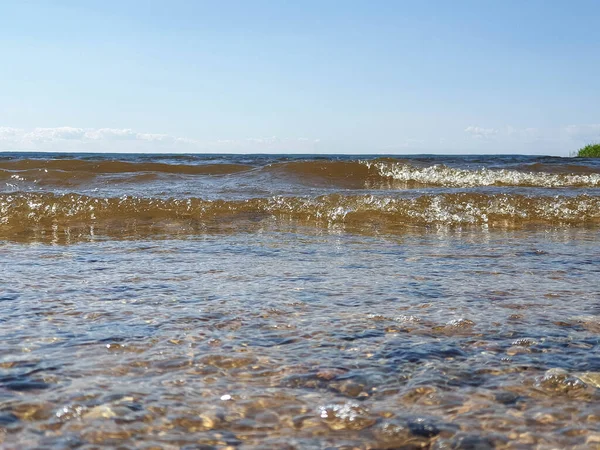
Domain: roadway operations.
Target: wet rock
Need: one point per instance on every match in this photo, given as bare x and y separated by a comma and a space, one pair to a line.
524, 342
559, 381
423, 427
417, 394
393, 434
267, 418
62, 442
590, 323
516, 350
25, 385
590, 378
330, 374
408, 318
378, 317
309, 381
8, 419
133, 406
246, 424
423, 352
463, 377
173, 364
593, 439
466, 442
460, 323
283, 443
350, 388
221, 439
545, 418
412, 432
349, 416
336, 380
100, 412
69, 412
394, 329
33, 411
119, 408
199, 447
194, 423
115, 346
367, 334
227, 361
305, 421
455, 327
507, 398
402, 433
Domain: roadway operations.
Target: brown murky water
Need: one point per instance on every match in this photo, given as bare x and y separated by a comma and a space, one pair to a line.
299, 305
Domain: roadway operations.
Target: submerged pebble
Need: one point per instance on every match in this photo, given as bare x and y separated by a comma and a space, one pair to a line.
559, 380
348, 416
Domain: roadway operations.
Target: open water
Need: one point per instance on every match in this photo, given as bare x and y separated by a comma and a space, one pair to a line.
299, 302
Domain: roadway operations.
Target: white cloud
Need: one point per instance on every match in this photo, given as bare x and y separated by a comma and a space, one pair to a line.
156, 137
52, 134
127, 140
110, 133
82, 139
481, 133
7, 133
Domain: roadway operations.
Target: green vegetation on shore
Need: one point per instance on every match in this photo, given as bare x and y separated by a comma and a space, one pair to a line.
589, 151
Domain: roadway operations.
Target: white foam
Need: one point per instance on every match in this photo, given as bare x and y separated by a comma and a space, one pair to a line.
441, 175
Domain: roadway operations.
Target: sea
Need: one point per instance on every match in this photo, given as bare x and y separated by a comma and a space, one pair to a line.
214, 301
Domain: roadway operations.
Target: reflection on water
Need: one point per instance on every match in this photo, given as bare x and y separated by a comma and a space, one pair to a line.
303, 338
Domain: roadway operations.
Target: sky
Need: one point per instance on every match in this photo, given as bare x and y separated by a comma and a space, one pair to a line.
373, 76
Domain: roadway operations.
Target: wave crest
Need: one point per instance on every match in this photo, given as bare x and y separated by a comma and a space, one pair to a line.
441, 175
378, 174
35, 212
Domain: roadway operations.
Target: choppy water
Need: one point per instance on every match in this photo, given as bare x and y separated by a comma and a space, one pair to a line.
299, 302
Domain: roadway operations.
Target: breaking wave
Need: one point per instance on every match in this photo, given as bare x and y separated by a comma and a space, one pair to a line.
350, 174
24, 213
441, 175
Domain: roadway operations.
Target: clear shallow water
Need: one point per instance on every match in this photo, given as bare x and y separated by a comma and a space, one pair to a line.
265, 330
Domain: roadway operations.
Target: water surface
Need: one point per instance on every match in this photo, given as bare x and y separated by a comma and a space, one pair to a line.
309, 302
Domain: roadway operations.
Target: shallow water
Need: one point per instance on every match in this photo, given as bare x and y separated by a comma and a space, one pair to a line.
247, 327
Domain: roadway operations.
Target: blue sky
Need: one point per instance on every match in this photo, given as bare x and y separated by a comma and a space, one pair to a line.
307, 76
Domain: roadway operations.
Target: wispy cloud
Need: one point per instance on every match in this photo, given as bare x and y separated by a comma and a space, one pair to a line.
128, 140
481, 133
559, 139
57, 134
585, 132
530, 134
